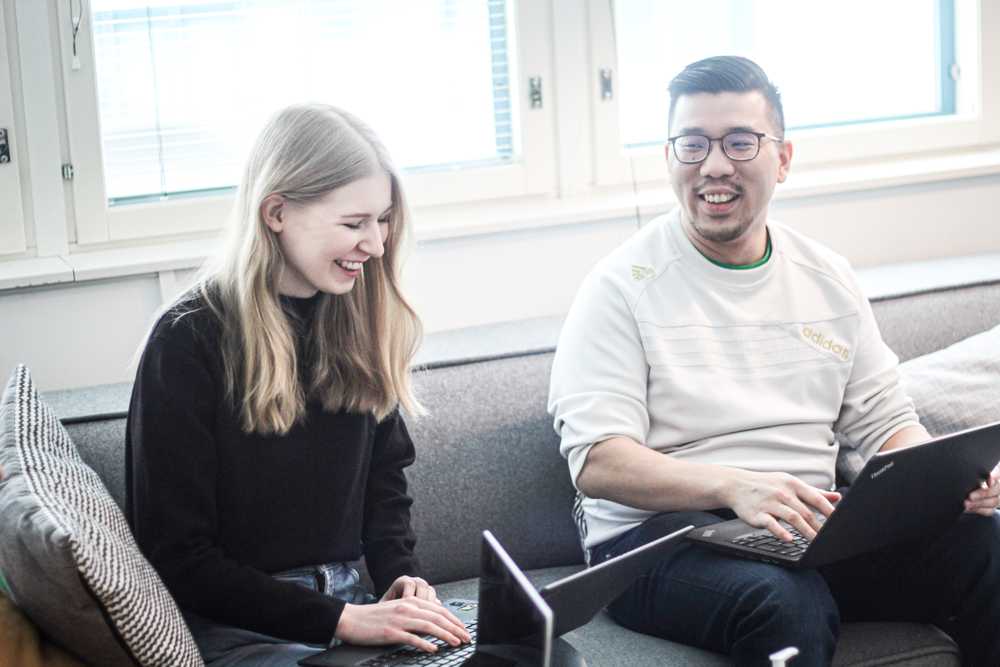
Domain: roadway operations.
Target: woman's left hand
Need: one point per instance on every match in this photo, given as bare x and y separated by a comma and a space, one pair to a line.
407, 587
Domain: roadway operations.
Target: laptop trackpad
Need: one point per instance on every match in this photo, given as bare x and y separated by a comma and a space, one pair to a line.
504, 655
345, 655
487, 660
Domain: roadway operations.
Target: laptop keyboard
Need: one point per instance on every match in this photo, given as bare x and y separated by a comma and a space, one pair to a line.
768, 543
446, 655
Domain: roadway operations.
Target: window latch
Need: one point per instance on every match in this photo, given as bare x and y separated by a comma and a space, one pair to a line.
535, 92
607, 84
4, 146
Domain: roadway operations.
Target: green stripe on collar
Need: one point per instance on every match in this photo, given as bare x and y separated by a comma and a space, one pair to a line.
743, 267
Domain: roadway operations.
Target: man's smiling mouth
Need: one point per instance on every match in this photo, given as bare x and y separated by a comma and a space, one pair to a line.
719, 198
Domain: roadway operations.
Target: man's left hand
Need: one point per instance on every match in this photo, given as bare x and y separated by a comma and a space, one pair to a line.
985, 499
406, 587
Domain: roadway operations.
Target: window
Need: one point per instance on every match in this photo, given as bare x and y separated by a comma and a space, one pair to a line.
182, 88
12, 237
863, 65
154, 102
855, 79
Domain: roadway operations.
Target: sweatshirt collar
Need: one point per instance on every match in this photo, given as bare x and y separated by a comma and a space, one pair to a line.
743, 276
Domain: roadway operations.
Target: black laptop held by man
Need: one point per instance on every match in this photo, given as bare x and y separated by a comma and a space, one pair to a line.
512, 623
899, 495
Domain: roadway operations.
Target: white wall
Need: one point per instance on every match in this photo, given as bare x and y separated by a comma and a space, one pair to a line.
903, 223
76, 336
86, 333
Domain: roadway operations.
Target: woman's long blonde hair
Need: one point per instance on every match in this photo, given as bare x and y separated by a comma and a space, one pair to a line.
360, 343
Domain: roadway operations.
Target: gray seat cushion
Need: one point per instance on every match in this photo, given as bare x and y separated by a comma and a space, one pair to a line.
604, 643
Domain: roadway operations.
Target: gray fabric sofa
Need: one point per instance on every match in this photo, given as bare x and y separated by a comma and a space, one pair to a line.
488, 458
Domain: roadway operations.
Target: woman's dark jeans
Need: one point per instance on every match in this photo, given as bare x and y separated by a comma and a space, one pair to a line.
227, 646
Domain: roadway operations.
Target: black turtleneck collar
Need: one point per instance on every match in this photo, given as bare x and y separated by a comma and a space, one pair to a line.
301, 307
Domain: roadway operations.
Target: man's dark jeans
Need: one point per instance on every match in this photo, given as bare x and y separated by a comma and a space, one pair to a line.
748, 609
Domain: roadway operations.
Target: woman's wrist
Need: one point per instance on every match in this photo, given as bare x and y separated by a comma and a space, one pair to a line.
343, 629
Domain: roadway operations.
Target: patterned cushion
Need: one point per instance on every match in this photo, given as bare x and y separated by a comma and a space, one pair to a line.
67, 553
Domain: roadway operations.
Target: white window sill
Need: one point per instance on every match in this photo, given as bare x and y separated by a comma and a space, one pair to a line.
504, 216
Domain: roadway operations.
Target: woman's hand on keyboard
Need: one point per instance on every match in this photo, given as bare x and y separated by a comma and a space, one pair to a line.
400, 622
406, 587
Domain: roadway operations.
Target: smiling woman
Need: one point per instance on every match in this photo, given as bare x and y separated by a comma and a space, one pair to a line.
326, 242
254, 475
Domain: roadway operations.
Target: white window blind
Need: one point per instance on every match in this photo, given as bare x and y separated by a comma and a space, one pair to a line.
835, 63
183, 87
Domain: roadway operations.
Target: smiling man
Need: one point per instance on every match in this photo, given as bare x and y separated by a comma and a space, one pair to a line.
711, 367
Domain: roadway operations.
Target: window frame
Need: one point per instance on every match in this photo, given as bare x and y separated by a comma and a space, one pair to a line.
975, 123
13, 236
532, 174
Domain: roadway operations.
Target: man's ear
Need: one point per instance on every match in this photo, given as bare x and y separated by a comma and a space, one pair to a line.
270, 212
785, 151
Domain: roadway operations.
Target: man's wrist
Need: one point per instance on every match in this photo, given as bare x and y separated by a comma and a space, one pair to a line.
727, 486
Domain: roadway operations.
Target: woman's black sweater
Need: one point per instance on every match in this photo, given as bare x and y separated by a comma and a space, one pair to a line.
216, 510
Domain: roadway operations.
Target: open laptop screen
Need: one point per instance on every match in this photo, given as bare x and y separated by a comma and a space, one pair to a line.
511, 612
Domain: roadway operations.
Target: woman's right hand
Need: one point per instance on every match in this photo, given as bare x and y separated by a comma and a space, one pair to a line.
400, 622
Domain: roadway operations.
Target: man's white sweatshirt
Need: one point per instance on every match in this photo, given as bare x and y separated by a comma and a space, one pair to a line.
750, 368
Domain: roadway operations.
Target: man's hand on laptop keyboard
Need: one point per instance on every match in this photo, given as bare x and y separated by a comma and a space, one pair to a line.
986, 498
764, 500
400, 622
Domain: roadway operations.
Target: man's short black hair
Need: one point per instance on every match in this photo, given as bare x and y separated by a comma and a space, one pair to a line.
727, 74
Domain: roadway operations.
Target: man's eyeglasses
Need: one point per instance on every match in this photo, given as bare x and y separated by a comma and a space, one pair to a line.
739, 146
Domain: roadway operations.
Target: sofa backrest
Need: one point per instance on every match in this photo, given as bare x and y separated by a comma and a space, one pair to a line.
487, 456
917, 324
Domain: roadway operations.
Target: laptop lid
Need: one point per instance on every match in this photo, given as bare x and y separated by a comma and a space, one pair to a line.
907, 493
514, 621
899, 495
577, 598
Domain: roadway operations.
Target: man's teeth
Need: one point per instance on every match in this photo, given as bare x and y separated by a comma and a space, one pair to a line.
350, 266
718, 198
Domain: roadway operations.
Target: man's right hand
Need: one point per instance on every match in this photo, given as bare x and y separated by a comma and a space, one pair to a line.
400, 622
765, 499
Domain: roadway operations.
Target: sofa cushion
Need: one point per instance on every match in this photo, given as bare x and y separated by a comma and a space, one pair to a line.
604, 643
488, 457
952, 389
93, 438
958, 387
70, 561
916, 324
